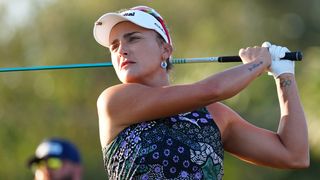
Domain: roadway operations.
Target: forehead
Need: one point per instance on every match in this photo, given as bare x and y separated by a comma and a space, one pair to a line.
125, 27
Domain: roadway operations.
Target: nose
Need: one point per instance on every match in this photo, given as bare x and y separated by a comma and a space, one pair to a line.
123, 49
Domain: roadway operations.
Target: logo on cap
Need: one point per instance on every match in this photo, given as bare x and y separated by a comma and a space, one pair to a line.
129, 14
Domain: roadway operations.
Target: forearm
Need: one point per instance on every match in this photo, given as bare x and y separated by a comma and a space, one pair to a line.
293, 126
230, 82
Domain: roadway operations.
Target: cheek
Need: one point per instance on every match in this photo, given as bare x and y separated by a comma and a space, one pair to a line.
114, 61
152, 51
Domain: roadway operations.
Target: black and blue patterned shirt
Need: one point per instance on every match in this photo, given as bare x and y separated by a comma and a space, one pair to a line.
184, 146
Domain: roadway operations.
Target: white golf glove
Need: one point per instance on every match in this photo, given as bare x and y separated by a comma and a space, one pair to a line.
278, 66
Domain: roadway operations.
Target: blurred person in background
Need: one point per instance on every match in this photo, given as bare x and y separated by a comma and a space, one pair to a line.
150, 129
56, 159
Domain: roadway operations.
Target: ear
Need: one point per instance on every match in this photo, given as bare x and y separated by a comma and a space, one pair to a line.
166, 51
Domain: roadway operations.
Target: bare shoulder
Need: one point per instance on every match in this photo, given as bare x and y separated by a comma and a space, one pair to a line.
118, 95
119, 90
120, 102
113, 104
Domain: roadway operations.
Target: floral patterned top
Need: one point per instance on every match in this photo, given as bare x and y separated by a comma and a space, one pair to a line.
184, 146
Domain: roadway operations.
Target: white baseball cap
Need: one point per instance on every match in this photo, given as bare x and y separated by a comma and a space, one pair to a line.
143, 16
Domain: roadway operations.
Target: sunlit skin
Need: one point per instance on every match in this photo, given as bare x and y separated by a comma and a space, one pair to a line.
133, 63
145, 94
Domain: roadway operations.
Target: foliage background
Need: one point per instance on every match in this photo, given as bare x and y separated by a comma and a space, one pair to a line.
62, 103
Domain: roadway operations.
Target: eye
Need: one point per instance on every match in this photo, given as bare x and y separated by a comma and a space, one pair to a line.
114, 47
133, 38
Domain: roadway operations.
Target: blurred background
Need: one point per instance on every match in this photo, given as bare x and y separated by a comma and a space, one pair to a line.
62, 103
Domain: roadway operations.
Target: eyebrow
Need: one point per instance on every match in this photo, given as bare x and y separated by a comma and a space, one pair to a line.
126, 36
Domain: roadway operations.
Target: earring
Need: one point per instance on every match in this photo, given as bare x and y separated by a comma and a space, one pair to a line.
164, 64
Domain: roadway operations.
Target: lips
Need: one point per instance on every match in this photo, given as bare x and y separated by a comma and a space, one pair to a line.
126, 63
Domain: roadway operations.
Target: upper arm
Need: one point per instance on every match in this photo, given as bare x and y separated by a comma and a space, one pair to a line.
249, 142
123, 105
127, 104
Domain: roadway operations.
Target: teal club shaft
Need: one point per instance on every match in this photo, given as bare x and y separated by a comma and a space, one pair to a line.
103, 64
68, 66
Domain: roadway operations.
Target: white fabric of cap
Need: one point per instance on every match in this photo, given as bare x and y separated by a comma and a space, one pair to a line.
106, 22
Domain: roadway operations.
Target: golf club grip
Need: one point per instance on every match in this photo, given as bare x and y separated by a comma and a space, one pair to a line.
293, 56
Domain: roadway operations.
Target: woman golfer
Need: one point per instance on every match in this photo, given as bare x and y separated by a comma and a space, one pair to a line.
150, 129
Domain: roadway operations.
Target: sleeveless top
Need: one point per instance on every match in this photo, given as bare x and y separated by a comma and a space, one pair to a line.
184, 146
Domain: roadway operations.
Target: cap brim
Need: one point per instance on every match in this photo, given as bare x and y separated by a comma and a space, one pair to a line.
106, 22
32, 160
104, 25
35, 159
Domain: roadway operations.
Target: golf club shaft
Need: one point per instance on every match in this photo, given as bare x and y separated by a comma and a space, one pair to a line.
294, 56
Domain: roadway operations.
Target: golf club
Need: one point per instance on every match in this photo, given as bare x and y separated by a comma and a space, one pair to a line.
294, 56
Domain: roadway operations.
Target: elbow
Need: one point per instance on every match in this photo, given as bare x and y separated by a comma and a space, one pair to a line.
300, 165
102, 103
299, 162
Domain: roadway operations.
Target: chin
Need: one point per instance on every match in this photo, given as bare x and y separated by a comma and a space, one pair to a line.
132, 80
126, 80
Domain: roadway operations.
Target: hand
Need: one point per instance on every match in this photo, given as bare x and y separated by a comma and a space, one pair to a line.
251, 54
278, 66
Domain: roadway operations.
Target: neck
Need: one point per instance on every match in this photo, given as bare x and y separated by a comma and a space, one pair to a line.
158, 80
